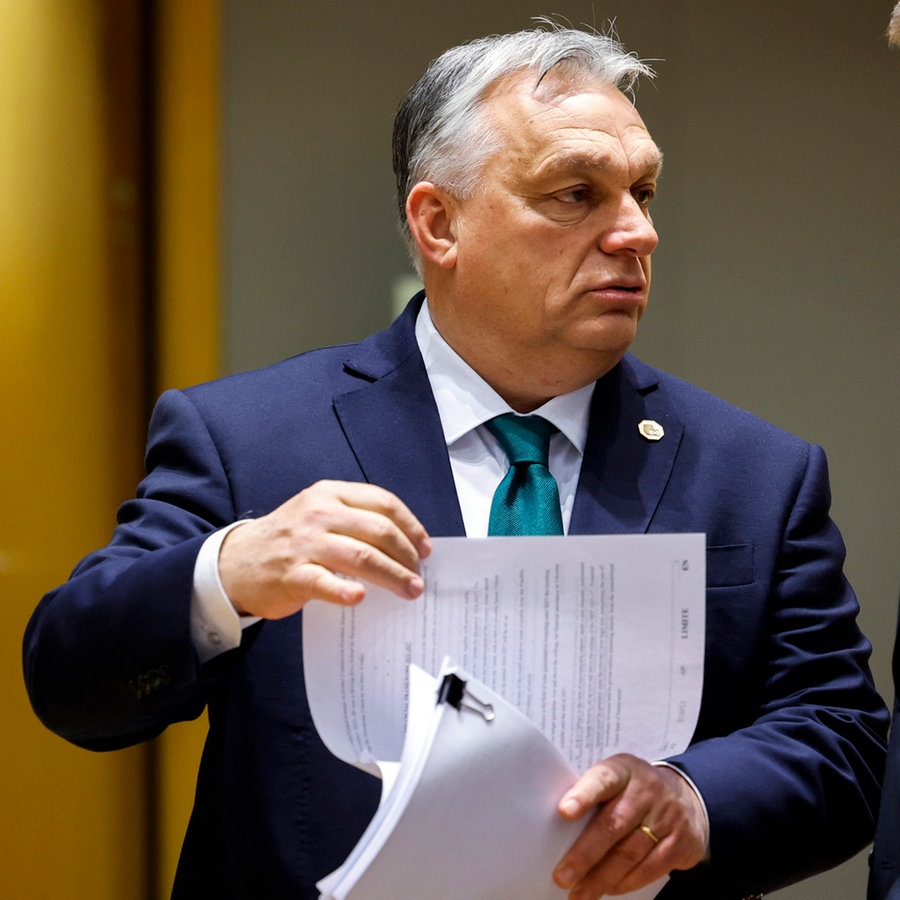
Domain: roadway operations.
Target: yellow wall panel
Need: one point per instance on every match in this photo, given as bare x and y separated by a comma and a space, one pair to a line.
187, 151
72, 390
188, 309
72, 822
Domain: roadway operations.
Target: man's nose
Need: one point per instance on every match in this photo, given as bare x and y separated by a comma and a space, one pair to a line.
631, 230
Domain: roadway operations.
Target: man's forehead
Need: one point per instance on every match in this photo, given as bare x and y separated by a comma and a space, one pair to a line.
520, 97
559, 81
579, 118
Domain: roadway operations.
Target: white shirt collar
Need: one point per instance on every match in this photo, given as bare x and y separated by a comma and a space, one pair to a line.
465, 400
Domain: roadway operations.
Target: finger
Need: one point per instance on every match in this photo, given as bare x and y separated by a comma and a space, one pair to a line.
620, 850
599, 784
376, 520
608, 848
378, 500
681, 846
272, 565
315, 581
622, 791
357, 529
363, 558
333, 576
629, 855
660, 861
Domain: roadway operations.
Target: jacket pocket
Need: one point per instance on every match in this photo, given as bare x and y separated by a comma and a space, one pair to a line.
730, 566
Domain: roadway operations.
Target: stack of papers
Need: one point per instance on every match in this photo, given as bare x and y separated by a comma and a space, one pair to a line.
443, 830
570, 649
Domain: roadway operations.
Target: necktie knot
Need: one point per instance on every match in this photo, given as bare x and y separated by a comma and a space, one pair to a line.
524, 439
527, 500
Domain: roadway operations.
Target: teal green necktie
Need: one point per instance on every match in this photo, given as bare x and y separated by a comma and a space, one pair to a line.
527, 500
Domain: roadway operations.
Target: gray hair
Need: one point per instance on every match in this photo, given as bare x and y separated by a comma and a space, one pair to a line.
440, 132
894, 27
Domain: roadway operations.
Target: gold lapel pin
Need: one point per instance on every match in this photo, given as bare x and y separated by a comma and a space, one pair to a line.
651, 430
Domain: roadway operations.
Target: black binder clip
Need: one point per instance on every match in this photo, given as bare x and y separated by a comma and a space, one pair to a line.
453, 690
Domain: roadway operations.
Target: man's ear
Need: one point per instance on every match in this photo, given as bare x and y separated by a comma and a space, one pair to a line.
431, 213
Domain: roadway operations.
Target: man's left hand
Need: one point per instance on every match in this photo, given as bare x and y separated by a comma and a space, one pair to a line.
647, 820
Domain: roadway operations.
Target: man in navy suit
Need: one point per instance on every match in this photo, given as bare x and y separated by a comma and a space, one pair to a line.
525, 178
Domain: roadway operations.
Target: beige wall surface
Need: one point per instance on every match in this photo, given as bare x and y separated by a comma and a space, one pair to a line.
775, 284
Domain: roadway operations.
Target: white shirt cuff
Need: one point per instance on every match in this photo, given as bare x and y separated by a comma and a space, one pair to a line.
215, 624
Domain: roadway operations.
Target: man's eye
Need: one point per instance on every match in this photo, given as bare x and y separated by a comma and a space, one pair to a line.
574, 195
644, 195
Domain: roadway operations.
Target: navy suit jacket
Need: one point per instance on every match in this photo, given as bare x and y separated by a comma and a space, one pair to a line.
789, 747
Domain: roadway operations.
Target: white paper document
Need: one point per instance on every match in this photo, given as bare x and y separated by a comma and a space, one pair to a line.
457, 824
597, 639
584, 646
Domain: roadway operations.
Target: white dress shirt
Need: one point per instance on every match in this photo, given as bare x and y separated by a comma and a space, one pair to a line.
465, 401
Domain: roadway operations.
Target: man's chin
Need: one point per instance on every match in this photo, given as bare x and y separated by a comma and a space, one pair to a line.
613, 334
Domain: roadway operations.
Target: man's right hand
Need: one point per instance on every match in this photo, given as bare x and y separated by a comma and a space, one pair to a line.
317, 544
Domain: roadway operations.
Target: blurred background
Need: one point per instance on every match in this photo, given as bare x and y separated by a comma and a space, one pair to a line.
192, 188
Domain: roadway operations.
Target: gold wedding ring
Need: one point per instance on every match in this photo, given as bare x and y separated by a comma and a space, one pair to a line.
650, 833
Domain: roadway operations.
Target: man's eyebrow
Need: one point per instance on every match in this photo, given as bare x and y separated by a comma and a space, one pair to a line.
646, 164
655, 165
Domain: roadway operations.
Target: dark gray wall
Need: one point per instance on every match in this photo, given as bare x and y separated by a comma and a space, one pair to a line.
775, 284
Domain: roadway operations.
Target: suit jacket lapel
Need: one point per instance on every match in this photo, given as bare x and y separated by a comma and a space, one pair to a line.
392, 424
623, 474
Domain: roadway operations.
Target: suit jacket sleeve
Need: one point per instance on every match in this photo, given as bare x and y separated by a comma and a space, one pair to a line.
108, 656
796, 788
